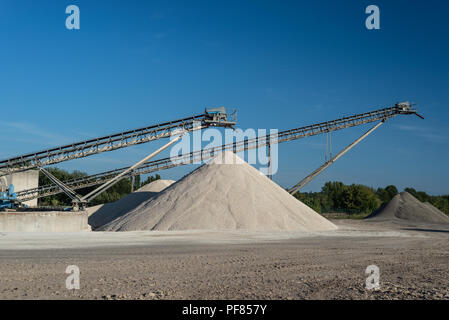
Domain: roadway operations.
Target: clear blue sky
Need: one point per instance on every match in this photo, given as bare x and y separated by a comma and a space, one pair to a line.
282, 64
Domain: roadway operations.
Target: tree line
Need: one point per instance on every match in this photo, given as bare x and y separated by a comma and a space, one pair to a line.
335, 196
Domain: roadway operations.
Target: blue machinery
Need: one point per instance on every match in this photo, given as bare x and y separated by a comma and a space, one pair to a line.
8, 199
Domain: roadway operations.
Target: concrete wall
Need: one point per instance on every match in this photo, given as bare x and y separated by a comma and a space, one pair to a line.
45, 221
4, 183
22, 181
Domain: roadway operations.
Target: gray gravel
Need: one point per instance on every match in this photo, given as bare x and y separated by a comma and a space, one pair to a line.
413, 265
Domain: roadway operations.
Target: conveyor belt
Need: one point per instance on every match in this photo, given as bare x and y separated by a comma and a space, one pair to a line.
205, 154
109, 143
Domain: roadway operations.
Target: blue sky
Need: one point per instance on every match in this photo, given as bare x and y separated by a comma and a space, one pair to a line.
282, 64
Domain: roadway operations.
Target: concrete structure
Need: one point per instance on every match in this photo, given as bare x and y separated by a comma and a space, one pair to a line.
22, 181
44, 221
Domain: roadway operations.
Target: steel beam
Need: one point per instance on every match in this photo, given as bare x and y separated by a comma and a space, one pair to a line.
301, 184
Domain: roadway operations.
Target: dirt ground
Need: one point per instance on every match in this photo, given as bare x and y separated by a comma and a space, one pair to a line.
413, 263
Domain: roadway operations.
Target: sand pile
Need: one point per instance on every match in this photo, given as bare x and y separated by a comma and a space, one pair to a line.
222, 196
104, 213
405, 207
435, 209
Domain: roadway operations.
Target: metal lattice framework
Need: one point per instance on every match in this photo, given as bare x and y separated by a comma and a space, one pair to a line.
238, 146
109, 143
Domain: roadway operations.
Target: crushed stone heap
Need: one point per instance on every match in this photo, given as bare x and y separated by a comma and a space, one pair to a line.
405, 207
220, 196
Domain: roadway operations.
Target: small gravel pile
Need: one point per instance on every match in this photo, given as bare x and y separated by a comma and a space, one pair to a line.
105, 213
405, 207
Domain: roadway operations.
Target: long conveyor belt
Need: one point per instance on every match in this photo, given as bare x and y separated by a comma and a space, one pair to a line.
205, 154
113, 142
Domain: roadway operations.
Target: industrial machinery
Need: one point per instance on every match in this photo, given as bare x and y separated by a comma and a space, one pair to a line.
79, 201
403, 107
381, 115
217, 117
8, 199
301, 184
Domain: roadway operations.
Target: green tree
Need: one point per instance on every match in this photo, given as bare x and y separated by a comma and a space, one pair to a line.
359, 199
386, 194
332, 193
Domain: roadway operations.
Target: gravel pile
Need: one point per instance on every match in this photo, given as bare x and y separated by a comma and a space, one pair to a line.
225, 194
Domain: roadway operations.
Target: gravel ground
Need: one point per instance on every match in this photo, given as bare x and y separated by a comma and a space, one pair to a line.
414, 264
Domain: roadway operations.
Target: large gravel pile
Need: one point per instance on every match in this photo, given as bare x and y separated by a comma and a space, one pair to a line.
222, 196
405, 207
104, 213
